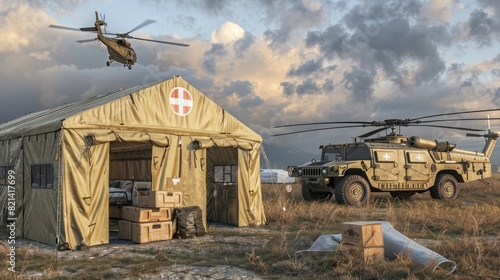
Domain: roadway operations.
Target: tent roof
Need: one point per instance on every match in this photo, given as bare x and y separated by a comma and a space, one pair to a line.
105, 108
50, 120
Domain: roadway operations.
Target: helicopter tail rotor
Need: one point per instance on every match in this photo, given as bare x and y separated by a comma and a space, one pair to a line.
103, 19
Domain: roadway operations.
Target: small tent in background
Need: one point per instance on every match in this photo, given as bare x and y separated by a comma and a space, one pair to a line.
64, 159
275, 176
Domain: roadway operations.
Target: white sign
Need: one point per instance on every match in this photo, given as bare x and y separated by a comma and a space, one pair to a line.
181, 101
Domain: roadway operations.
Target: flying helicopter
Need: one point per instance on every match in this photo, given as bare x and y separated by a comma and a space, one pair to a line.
394, 163
119, 48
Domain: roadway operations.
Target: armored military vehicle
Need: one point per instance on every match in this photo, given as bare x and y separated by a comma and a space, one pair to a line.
394, 163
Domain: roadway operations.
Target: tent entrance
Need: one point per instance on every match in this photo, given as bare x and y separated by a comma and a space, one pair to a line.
129, 167
130, 161
222, 185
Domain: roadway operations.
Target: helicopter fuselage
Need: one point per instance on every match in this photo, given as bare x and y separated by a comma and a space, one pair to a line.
119, 50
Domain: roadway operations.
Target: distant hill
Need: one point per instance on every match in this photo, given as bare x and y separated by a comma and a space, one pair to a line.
281, 157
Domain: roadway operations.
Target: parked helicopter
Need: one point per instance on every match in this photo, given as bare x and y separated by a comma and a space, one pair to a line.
119, 49
394, 163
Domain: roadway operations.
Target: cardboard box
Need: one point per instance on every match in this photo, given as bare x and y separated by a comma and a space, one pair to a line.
368, 254
125, 230
115, 211
362, 234
144, 215
159, 199
148, 232
174, 184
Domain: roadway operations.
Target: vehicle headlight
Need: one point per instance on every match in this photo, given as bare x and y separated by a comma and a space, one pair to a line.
299, 171
324, 171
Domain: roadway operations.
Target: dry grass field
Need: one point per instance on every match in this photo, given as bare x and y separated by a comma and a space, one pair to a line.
466, 231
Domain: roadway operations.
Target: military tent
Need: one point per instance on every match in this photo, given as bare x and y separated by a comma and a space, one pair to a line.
64, 159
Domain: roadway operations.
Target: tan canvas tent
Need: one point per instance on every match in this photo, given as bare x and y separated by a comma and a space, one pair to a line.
64, 159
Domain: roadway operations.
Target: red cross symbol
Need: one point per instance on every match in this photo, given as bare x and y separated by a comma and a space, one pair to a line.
181, 101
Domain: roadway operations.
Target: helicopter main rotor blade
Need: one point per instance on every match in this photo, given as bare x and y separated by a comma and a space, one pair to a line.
455, 113
449, 127
144, 23
86, 40
449, 120
320, 123
317, 129
158, 41
473, 135
64, 27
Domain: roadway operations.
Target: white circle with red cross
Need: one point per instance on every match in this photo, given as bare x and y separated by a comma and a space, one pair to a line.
181, 101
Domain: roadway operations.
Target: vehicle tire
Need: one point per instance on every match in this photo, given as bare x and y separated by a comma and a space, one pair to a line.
352, 190
402, 195
445, 187
309, 195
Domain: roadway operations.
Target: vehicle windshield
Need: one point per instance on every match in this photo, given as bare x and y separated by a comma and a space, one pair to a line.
331, 155
337, 153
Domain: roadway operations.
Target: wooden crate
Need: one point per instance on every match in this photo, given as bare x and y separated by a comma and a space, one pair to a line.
368, 254
145, 215
149, 232
159, 199
362, 234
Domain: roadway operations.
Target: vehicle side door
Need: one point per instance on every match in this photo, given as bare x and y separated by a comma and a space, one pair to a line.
386, 167
417, 165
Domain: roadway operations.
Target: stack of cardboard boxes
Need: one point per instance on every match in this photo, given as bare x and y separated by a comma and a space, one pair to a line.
151, 218
364, 239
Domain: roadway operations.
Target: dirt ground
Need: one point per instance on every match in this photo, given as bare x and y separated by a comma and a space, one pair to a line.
219, 239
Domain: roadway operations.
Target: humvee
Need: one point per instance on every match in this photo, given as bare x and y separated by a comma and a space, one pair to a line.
400, 165
397, 164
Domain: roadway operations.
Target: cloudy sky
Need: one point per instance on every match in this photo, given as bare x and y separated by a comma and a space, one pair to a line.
269, 62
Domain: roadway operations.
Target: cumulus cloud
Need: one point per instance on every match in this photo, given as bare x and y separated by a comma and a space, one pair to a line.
308, 68
243, 44
227, 33
380, 36
482, 27
439, 10
217, 52
359, 83
292, 16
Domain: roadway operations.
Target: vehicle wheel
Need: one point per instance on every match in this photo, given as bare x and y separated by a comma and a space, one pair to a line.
108, 63
352, 190
445, 187
130, 67
402, 195
309, 195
